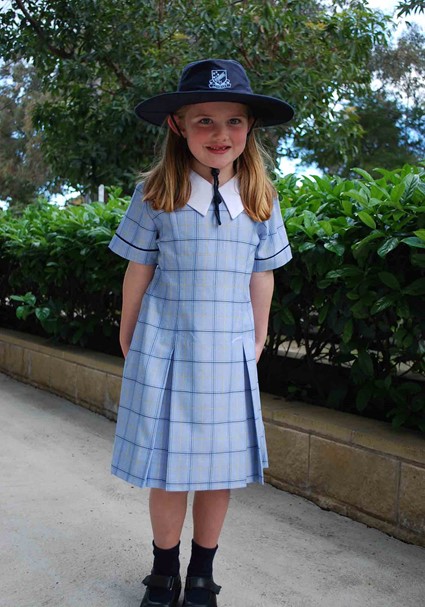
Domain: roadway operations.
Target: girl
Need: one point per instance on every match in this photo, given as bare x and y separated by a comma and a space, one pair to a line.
203, 234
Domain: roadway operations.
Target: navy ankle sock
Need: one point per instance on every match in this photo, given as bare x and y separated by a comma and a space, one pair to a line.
201, 565
166, 562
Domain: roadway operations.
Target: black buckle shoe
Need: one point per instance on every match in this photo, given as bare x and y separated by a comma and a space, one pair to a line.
202, 582
167, 582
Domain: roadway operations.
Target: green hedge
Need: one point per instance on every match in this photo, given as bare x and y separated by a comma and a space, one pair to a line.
56, 263
353, 295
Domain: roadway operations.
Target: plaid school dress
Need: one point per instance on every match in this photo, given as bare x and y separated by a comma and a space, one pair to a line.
190, 413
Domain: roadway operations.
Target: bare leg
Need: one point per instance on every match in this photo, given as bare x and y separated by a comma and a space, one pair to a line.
209, 512
168, 511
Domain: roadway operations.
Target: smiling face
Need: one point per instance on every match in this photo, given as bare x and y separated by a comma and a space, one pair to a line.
216, 135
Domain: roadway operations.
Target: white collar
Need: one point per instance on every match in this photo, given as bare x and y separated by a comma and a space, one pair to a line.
202, 193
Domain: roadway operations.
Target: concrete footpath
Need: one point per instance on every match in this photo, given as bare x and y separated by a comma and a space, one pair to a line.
72, 535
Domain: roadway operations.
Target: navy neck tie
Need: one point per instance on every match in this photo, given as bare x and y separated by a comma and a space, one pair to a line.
217, 199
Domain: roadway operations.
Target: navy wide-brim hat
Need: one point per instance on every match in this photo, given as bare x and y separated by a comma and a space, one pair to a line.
215, 80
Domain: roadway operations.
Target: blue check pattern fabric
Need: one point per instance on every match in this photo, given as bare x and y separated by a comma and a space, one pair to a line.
190, 413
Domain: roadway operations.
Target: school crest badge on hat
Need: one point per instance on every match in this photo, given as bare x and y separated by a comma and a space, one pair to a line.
219, 80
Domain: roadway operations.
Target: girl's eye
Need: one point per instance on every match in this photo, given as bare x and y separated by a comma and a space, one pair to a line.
205, 121
235, 121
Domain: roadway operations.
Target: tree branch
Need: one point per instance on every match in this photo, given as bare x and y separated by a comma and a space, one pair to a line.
42, 35
124, 81
62, 54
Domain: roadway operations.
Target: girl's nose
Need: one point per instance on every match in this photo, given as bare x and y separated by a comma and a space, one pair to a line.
220, 132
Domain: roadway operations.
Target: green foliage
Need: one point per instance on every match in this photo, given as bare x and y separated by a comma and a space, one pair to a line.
353, 294
383, 142
401, 70
57, 266
391, 118
406, 7
23, 172
96, 60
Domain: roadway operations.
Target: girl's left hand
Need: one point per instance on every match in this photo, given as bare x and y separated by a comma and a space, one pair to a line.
258, 351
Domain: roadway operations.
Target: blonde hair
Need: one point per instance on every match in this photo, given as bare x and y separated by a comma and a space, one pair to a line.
167, 184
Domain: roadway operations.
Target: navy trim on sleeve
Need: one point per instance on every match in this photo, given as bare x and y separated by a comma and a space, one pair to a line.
264, 258
133, 245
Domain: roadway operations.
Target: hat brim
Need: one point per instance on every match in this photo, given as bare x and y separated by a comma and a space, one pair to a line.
270, 111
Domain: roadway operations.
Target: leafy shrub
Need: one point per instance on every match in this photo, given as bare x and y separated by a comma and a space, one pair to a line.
353, 295
55, 261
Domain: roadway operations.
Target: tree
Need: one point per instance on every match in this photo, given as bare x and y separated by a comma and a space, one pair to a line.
402, 66
23, 172
410, 6
401, 70
391, 116
95, 60
383, 143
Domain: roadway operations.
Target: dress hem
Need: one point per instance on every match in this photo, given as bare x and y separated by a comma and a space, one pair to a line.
161, 484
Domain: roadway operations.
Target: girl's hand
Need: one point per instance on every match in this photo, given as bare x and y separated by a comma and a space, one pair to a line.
261, 288
258, 351
125, 348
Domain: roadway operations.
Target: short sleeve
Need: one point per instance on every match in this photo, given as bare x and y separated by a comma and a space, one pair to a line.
136, 236
273, 250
